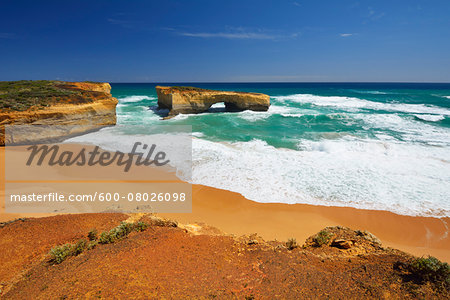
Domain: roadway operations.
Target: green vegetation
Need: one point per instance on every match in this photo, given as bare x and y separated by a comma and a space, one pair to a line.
79, 247
118, 233
91, 245
26, 94
155, 221
291, 244
140, 226
92, 235
322, 238
187, 88
431, 270
60, 253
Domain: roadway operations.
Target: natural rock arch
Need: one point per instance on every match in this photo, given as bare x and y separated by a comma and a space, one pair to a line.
194, 100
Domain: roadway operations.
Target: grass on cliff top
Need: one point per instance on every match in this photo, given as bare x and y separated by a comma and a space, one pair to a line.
25, 94
196, 89
187, 88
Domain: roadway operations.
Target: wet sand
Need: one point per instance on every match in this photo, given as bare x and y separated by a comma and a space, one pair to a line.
234, 214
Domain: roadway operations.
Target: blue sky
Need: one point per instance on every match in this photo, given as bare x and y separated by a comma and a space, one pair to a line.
170, 41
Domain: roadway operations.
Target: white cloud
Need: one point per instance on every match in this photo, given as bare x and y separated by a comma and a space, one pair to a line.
346, 34
231, 35
373, 15
240, 33
237, 33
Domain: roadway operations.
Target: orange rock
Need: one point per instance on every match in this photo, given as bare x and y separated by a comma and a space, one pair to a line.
188, 100
343, 244
94, 107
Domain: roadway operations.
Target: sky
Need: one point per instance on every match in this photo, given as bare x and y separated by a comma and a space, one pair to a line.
226, 41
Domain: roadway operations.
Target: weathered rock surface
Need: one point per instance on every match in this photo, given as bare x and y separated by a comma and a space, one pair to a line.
188, 100
83, 105
162, 261
345, 241
342, 244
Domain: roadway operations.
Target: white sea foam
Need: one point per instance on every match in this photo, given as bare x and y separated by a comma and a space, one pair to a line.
285, 111
198, 134
409, 177
135, 98
248, 115
431, 118
145, 116
218, 105
182, 117
404, 178
369, 92
408, 128
369, 174
354, 104
253, 116
293, 115
177, 146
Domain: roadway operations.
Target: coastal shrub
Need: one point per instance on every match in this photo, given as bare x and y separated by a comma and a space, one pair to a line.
322, 238
155, 221
91, 245
140, 226
92, 235
79, 247
120, 232
291, 244
432, 270
187, 88
59, 253
115, 234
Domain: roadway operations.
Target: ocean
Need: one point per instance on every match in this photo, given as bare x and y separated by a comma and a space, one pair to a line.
381, 146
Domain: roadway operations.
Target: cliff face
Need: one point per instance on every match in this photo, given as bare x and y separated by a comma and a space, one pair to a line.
59, 103
193, 100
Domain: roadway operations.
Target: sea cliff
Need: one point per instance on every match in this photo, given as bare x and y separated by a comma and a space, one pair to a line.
188, 100
84, 104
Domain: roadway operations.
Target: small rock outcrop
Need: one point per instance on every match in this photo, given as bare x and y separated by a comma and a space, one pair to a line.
188, 100
86, 105
339, 240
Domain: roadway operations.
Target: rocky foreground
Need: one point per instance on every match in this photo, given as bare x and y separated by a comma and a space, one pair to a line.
142, 256
82, 106
191, 100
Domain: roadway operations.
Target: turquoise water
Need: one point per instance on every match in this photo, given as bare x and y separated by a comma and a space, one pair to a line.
305, 111
373, 146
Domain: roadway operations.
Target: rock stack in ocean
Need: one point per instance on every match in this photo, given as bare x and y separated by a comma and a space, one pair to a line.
188, 100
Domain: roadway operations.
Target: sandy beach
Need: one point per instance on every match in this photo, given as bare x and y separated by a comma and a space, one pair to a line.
234, 214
